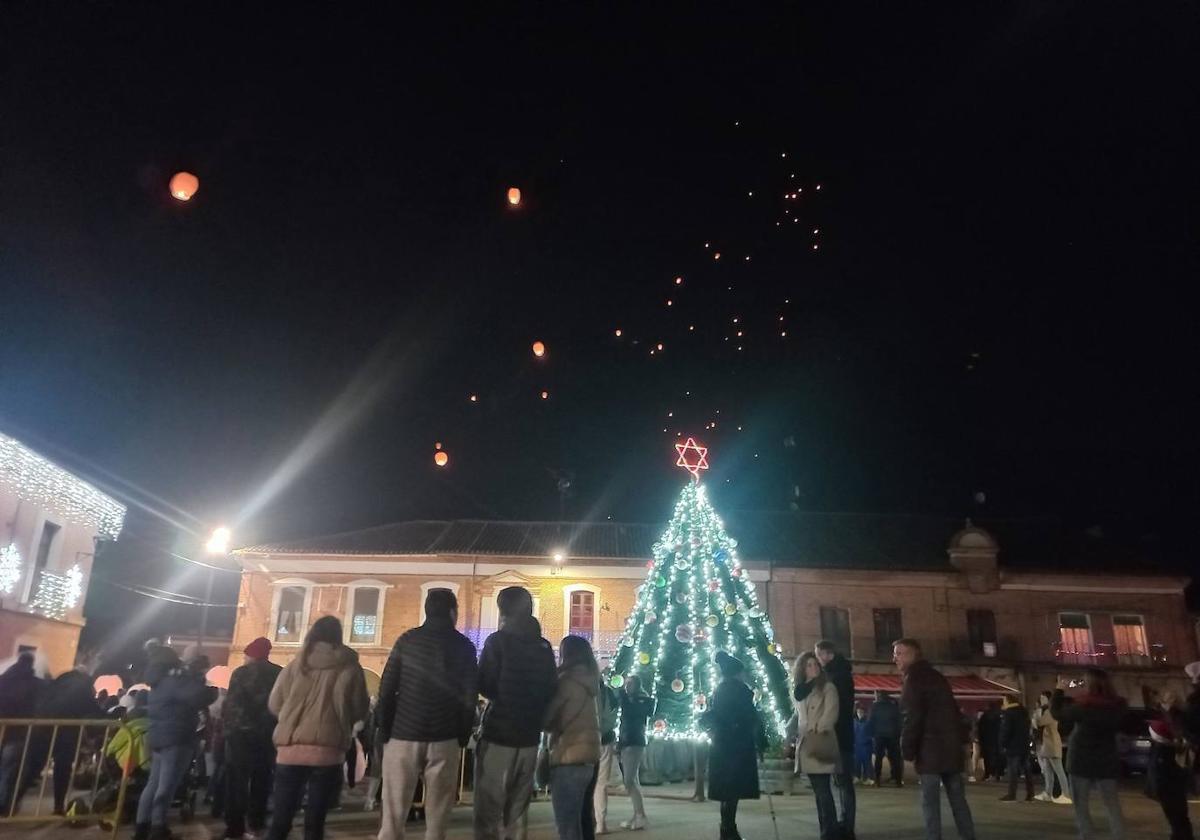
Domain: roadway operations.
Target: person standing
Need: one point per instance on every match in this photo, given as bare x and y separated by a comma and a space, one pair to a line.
517, 676
425, 712
636, 708
68, 696
1169, 773
317, 699
885, 726
989, 741
572, 726
1191, 712
249, 750
818, 753
19, 688
862, 747
1049, 752
178, 695
932, 737
1092, 757
1014, 740
737, 741
610, 707
838, 672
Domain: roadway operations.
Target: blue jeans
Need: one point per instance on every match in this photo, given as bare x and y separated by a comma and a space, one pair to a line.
292, 781
569, 785
826, 810
931, 804
167, 767
1081, 787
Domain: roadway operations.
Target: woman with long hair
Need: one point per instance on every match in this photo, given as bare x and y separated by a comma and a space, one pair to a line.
817, 754
572, 722
318, 699
1092, 758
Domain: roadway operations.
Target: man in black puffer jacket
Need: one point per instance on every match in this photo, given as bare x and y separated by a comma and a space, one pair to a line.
838, 671
1014, 741
517, 676
426, 707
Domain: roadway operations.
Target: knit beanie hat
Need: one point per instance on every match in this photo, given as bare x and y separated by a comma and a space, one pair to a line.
730, 666
260, 648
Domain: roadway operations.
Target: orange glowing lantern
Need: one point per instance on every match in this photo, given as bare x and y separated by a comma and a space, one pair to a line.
514, 196
545, 395
539, 349
441, 458
184, 185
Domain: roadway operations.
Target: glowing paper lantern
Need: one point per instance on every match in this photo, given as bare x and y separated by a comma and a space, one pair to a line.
539, 349
219, 675
514, 196
441, 458
109, 682
184, 185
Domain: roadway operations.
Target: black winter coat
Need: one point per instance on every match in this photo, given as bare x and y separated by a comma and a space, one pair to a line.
1092, 747
932, 737
19, 689
737, 738
885, 718
429, 685
840, 674
634, 712
245, 708
518, 676
1014, 730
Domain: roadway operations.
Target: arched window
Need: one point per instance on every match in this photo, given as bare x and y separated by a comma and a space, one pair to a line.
290, 604
364, 612
581, 610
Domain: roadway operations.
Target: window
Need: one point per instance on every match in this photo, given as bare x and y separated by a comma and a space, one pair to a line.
364, 618
289, 616
981, 631
1075, 638
582, 614
835, 626
1129, 638
49, 532
887, 630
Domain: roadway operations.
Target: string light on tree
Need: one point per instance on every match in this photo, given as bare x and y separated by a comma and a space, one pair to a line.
10, 568
696, 601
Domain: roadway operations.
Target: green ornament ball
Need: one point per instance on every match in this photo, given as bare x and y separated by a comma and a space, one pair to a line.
616, 681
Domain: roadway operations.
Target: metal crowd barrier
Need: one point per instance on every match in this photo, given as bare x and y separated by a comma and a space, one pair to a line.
15, 771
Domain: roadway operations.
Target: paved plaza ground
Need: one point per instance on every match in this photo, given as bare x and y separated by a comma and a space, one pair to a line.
889, 813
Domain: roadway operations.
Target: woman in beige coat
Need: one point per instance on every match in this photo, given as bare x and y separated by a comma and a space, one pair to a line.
318, 698
1049, 752
817, 753
573, 723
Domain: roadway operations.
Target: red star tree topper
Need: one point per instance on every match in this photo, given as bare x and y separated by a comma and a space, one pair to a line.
692, 457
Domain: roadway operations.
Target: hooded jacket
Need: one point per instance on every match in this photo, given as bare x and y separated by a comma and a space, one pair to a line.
174, 709
572, 719
320, 708
1092, 747
517, 676
429, 685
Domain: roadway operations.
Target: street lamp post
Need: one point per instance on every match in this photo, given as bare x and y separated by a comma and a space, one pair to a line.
217, 545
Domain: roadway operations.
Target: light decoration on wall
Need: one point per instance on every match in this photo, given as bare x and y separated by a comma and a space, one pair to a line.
10, 568
697, 599
57, 594
38, 481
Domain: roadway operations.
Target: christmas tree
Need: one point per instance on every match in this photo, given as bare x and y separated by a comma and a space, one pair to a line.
698, 599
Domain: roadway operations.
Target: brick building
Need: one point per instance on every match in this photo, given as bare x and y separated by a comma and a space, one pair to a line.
1001, 609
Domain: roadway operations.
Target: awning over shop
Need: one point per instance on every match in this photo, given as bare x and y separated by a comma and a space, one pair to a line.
962, 686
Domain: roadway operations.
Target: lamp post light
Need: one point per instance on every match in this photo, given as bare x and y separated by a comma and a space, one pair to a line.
217, 545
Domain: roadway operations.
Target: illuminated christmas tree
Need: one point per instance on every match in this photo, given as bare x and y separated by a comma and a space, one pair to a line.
698, 599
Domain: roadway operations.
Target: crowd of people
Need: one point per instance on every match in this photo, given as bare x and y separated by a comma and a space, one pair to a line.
284, 735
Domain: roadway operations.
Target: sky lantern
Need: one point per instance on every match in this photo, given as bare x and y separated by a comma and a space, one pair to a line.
539, 349
184, 185
441, 458
514, 196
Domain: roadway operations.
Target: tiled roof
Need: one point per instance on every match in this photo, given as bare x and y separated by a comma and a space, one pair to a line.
809, 540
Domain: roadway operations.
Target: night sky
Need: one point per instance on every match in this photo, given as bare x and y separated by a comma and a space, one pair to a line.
1002, 196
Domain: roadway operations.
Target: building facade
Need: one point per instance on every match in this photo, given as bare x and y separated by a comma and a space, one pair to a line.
995, 627
50, 521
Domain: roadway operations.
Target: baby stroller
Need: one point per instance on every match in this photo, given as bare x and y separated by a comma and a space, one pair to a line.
127, 747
